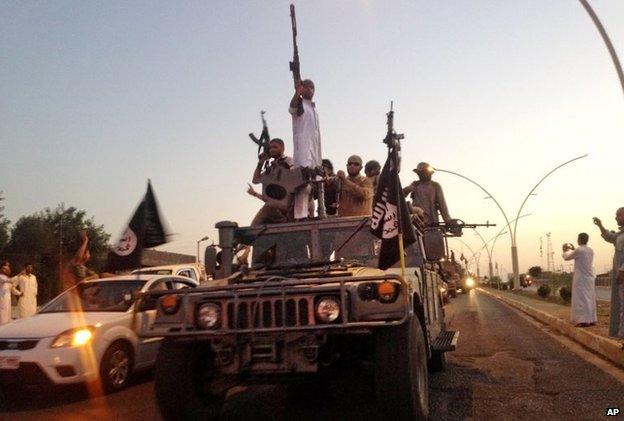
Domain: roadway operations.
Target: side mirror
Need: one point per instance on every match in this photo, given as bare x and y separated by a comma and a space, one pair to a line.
148, 302
210, 261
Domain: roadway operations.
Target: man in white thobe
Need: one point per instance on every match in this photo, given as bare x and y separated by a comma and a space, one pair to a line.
306, 143
27, 284
7, 287
616, 322
583, 311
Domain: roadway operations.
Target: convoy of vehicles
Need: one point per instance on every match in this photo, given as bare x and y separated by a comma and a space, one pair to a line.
309, 298
86, 335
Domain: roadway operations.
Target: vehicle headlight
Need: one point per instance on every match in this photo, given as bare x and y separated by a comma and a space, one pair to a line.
209, 316
327, 309
470, 282
74, 337
386, 291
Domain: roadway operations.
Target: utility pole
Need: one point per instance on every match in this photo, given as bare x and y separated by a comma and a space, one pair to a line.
550, 254
541, 252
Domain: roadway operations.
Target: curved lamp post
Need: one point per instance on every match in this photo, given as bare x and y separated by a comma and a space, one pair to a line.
606, 39
512, 233
199, 241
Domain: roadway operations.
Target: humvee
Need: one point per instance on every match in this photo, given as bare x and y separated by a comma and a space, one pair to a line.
309, 296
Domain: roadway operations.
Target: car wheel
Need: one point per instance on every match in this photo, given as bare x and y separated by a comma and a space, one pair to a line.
401, 374
116, 367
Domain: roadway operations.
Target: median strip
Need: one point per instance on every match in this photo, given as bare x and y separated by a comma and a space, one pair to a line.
608, 348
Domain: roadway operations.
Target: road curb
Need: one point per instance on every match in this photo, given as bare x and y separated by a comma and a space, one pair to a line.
610, 349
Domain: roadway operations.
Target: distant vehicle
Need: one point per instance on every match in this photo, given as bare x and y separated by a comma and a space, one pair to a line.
467, 283
85, 335
189, 270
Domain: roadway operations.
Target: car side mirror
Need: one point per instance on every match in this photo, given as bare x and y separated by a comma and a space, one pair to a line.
148, 302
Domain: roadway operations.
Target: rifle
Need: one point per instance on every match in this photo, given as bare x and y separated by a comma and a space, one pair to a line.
294, 65
263, 141
393, 139
454, 229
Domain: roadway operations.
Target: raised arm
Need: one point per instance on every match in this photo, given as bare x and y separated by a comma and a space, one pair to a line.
609, 236
79, 257
295, 103
258, 171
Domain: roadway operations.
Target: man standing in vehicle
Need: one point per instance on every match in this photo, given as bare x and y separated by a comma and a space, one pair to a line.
307, 143
356, 190
427, 196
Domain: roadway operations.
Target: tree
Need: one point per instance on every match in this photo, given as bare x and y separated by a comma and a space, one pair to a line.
4, 226
535, 271
50, 237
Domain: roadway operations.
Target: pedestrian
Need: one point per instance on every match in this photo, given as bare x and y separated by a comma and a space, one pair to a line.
27, 285
7, 287
307, 144
269, 214
356, 190
372, 169
583, 311
616, 324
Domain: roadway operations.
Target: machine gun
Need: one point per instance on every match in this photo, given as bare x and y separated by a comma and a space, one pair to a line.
294, 64
455, 227
263, 141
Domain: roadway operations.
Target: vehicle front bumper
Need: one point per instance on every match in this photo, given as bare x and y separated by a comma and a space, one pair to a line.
43, 365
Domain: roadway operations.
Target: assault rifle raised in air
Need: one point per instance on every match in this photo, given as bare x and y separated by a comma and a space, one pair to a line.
294, 64
393, 139
263, 141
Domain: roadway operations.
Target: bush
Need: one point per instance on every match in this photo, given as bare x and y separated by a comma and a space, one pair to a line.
543, 291
504, 287
535, 271
565, 293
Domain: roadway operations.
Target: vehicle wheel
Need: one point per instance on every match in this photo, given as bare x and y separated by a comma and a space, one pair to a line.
437, 361
182, 377
401, 376
116, 367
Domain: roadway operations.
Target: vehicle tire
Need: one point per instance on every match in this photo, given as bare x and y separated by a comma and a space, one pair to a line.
437, 361
116, 367
182, 375
401, 375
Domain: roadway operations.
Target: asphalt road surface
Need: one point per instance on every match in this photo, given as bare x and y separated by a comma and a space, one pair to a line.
507, 366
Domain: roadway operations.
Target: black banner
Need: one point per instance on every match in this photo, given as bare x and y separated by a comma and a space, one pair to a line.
144, 230
389, 205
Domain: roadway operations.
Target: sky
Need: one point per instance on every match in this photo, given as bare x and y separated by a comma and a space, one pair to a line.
98, 97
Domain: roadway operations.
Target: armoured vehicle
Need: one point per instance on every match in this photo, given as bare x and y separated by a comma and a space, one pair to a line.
303, 297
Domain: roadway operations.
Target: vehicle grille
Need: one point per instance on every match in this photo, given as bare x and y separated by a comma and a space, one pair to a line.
18, 345
269, 313
28, 374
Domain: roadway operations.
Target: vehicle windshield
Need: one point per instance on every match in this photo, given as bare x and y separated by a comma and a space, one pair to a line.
282, 249
115, 296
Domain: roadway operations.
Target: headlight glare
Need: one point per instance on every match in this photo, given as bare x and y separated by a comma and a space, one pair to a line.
74, 337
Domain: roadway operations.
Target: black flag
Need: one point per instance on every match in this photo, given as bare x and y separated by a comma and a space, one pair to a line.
144, 230
389, 207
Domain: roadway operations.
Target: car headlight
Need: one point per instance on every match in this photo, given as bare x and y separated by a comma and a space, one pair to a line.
74, 337
209, 316
470, 282
169, 303
327, 309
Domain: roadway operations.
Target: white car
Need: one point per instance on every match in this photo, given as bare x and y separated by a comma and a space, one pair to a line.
85, 335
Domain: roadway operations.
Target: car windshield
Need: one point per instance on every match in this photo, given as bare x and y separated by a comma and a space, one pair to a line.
96, 296
282, 249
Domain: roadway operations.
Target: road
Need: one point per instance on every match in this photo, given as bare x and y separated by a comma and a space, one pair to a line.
506, 366
602, 293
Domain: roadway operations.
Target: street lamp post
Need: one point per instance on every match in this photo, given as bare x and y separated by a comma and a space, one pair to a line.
512, 233
199, 241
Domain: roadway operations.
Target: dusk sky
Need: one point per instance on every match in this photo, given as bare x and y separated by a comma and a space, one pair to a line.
97, 97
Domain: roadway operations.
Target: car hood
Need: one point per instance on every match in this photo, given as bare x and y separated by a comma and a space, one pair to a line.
52, 324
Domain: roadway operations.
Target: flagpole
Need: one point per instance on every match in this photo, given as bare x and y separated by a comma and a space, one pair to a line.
399, 193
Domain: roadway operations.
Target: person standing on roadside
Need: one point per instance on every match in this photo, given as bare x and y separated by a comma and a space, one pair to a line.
27, 284
616, 324
583, 311
7, 287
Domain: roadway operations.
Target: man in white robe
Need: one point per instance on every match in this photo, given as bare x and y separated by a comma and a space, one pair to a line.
583, 311
27, 284
306, 143
7, 287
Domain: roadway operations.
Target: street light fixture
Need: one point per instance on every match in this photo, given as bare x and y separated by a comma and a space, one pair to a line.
512, 233
199, 241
